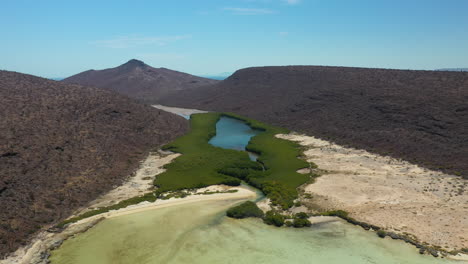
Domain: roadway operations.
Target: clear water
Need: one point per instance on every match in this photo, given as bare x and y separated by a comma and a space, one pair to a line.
233, 134
200, 233
185, 116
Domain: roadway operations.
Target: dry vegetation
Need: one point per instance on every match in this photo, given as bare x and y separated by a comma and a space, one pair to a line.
62, 145
420, 116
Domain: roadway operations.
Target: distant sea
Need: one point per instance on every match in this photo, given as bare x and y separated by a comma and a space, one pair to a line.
220, 76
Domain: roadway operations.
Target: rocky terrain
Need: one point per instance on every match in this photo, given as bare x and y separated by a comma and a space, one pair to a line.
420, 116
63, 145
140, 81
454, 69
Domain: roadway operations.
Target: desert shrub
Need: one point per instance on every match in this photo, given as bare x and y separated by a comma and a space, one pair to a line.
273, 218
244, 210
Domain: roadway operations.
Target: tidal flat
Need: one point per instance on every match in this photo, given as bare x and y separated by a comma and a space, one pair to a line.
201, 233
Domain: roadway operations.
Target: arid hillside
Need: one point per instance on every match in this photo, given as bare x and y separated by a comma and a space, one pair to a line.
420, 116
62, 145
137, 80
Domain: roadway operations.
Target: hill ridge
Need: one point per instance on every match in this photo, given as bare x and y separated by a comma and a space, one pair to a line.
420, 116
62, 145
138, 80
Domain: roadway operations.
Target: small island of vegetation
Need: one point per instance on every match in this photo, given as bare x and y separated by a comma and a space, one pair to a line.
244, 210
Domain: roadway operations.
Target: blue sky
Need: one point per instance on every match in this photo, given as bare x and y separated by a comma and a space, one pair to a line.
61, 38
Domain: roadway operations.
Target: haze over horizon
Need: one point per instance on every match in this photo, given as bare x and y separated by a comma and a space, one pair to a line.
59, 39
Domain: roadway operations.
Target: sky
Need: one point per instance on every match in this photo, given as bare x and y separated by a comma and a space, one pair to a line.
209, 37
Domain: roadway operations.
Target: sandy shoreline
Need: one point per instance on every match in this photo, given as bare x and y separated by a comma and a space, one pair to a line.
44, 241
141, 182
394, 194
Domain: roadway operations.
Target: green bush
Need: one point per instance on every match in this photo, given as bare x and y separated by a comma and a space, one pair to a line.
273, 218
381, 233
339, 213
301, 215
244, 210
231, 181
300, 222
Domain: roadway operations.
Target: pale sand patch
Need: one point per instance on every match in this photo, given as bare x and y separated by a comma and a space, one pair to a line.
387, 192
322, 219
139, 184
264, 205
186, 112
304, 171
242, 193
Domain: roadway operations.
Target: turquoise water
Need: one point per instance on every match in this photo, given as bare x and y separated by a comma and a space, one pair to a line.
233, 134
201, 233
185, 116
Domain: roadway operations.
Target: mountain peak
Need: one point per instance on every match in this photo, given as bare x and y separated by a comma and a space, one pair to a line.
134, 63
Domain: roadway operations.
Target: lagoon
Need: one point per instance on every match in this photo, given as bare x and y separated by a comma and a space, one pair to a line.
201, 233
234, 134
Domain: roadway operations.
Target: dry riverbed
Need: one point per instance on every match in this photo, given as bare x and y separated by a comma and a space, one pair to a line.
390, 193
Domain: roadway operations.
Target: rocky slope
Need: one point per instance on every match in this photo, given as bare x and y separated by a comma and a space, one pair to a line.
420, 116
62, 145
140, 81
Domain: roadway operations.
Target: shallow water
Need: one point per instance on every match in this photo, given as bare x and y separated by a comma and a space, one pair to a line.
233, 134
185, 116
200, 233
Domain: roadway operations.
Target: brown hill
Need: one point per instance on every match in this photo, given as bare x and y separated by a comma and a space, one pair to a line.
421, 116
62, 145
137, 80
